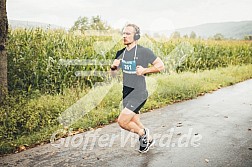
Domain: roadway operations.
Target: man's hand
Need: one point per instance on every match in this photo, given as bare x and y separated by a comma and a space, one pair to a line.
140, 70
114, 68
113, 71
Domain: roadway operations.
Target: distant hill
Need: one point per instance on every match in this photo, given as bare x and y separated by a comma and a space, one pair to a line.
28, 24
235, 30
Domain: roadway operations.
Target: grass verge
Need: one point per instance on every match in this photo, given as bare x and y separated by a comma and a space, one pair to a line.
163, 89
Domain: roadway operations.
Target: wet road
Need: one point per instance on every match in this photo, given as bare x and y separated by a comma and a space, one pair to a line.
212, 130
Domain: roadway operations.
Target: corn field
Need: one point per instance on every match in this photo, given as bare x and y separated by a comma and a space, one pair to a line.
34, 57
46, 61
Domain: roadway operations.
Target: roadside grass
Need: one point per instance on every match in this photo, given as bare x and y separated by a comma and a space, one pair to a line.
41, 113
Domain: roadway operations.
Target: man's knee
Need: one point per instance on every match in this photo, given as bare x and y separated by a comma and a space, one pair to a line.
125, 117
122, 122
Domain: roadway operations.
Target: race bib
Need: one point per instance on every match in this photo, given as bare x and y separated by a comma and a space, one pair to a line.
129, 67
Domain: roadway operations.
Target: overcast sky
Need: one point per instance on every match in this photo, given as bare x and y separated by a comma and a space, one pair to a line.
149, 15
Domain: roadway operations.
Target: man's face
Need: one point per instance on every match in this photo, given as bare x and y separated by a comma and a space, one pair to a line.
128, 35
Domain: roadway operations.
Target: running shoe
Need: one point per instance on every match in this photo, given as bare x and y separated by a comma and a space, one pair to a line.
144, 143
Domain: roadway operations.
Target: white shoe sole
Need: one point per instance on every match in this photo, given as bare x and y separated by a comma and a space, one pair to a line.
152, 144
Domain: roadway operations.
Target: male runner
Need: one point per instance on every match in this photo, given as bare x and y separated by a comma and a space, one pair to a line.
134, 61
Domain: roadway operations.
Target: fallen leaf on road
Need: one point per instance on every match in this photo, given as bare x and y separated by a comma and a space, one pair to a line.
21, 148
201, 94
179, 124
86, 156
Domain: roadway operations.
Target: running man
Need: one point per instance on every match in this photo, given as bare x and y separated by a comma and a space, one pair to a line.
134, 61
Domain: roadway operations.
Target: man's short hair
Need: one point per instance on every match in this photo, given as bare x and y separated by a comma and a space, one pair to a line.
137, 29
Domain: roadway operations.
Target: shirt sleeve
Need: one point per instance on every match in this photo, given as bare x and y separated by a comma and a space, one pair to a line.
151, 57
119, 54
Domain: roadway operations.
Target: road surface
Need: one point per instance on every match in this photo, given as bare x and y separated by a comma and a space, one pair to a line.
211, 130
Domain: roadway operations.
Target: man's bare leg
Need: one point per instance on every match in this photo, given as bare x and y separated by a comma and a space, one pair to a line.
125, 121
136, 119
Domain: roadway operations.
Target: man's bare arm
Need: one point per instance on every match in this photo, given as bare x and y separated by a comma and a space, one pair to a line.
158, 66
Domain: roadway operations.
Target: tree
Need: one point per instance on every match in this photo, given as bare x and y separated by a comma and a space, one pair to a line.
96, 23
185, 36
3, 53
248, 37
81, 24
176, 34
193, 35
218, 36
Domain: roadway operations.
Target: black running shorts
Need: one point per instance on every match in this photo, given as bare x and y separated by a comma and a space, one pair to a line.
134, 99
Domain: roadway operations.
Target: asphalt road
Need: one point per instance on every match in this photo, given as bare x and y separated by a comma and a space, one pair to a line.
212, 130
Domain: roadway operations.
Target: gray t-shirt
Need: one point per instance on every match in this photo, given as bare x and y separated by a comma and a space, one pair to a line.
143, 57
